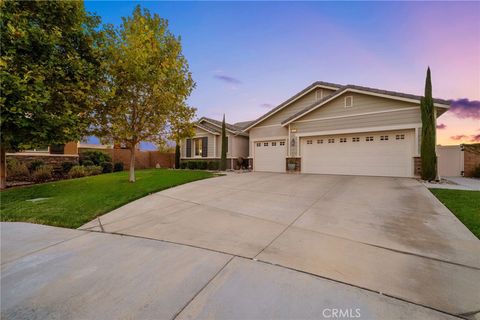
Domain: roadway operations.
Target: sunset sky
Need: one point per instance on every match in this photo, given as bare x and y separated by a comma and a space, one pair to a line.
248, 57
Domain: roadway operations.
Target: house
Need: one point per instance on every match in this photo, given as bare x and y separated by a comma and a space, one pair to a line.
206, 144
329, 128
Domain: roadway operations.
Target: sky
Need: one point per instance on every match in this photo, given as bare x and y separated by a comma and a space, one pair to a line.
248, 57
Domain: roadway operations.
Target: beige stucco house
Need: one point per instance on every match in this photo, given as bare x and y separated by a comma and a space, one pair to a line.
206, 144
333, 129
326, 128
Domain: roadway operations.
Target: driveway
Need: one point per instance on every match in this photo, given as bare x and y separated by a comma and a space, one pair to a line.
255, 245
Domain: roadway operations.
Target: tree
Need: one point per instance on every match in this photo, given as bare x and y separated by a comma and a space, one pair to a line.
49, 73
181, 127
147, 83
223, 159
427, 153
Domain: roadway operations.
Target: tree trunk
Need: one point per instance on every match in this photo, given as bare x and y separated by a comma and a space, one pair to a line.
3, 169
131, 176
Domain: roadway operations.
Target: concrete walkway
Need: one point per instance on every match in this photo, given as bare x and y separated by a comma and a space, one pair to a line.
254, 245
457, 183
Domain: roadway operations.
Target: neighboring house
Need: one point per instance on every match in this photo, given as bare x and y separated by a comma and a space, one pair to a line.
206, 144
333, 129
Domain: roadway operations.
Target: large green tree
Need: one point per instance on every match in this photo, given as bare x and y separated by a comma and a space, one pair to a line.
427, 152
148, 82
49, 73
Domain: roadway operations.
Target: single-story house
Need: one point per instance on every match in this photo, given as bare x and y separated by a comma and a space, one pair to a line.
206, 143
329, 128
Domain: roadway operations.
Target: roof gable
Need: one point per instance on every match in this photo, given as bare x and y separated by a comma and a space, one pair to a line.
296, 97
217, 125
364, 90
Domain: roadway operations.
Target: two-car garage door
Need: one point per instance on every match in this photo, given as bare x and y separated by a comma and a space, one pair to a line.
372, 154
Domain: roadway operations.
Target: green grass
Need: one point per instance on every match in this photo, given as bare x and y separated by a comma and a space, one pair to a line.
464, 204
72, 203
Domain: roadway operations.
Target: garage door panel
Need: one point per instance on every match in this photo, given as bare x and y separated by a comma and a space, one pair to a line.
387, 157
270, 156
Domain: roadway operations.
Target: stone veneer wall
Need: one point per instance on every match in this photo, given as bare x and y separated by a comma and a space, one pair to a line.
298, 164
54, 160
417, 166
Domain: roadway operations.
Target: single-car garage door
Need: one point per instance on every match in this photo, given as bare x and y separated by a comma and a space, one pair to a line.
269, 156
371, 154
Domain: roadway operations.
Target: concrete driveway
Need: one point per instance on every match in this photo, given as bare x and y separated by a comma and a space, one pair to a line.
254, 245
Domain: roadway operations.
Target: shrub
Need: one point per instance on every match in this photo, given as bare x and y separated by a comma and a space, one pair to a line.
118, 166
476, 172
66, 166
202, 165
213, 165
35, 164
17, 170
192, 165
107, 167
93, 170
183, 165
77, 172
42, 174
242, 163
95, 156
87, 163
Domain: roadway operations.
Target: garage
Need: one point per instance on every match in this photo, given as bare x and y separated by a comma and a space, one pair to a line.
370, 154
269, 155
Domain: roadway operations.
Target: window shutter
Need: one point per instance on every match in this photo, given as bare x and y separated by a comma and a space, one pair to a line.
205, 147
189, 148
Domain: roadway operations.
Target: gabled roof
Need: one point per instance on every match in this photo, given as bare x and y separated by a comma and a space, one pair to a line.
441, 103
317, 84
216, 126
243, 124
209, 128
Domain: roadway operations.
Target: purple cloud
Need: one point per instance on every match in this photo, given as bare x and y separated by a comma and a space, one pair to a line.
458, 137
464, 108
227, 79
441, 126
267, 105
475, 138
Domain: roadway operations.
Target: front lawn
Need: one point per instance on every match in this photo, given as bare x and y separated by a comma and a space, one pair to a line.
464, 204
72, 203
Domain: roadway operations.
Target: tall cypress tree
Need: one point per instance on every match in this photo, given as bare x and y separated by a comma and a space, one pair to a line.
177, 156
427, 153
223, 159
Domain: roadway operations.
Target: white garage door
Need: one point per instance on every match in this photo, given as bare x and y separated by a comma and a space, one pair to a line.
370, 154
270, 156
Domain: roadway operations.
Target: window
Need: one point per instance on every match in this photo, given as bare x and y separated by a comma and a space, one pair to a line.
400, 137
198, 147
265, 144
342, 140
259, 144
282, 143
309, 141
384, 138
331, 140
274, 144
348, 101
369, 139
319, 141
356, 139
